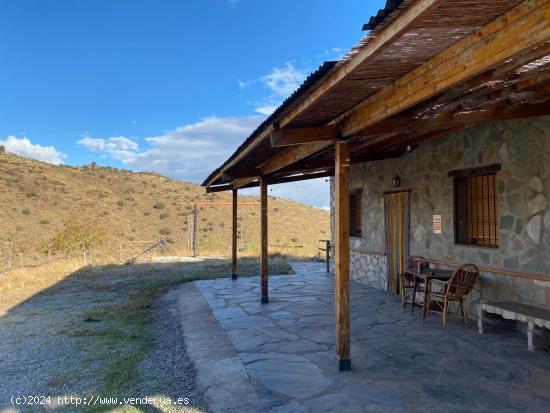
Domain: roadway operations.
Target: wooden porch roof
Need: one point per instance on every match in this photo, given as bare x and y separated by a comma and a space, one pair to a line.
427, 68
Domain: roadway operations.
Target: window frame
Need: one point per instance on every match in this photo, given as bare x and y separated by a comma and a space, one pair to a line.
358, 217
468, 175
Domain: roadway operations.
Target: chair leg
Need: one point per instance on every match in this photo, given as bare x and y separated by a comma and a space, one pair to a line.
464, 313
425, 306
445, 309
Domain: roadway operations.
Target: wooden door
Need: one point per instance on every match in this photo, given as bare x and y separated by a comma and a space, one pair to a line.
397, 215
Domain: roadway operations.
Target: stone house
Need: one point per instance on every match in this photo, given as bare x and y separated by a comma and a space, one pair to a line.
516, 264
434, 130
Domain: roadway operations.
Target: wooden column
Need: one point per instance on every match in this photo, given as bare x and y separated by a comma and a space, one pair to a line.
263, 250
234, 237
341, 257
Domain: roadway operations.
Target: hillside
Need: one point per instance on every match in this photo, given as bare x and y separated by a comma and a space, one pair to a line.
59, 209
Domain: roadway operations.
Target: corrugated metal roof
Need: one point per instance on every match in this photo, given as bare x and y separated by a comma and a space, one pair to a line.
391, 6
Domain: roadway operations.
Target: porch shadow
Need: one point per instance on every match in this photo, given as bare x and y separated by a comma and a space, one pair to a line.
287, 349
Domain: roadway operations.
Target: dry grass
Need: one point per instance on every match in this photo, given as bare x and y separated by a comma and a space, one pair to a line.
38, 199
111, 331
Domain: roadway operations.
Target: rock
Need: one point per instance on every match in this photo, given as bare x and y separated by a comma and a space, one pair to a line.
511, 263
537, 204
507, 222
514, 203
536, 184
534, 228
503, 152
519, 226
547, 220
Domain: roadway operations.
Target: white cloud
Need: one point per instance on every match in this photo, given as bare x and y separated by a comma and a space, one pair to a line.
118, 147
24, 147
189, 152
282, 81
92, 144
266, 110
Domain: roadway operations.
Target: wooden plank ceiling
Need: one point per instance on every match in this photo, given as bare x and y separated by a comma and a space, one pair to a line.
429, 68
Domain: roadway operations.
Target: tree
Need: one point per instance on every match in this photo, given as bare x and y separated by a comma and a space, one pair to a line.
2, 149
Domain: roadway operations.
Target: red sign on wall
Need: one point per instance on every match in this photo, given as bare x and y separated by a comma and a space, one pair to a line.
437, 224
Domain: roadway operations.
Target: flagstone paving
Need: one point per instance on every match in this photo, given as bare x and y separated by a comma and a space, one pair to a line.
398, 364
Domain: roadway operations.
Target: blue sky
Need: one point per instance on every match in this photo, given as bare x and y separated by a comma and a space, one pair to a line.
168, 86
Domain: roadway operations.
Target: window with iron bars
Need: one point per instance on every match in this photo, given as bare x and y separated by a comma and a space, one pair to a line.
355, 215
475, 207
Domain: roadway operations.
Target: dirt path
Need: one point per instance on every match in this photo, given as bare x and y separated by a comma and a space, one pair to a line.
103, 334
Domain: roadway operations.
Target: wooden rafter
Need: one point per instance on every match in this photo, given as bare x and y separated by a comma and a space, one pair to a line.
240, 182
287, 137
292, 155
517, 31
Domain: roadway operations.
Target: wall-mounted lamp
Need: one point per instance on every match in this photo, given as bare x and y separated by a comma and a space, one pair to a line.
396, 181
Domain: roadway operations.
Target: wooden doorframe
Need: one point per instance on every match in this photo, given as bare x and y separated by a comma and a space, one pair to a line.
403, 216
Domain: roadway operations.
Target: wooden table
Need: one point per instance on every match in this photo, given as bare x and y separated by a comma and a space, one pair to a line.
426, 276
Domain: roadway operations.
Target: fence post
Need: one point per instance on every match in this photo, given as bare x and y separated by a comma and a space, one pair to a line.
21, 260
85, 259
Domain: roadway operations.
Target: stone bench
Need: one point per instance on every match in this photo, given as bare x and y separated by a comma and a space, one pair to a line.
536, 318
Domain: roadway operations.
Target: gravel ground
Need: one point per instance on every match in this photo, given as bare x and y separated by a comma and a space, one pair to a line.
44, 348
167, 369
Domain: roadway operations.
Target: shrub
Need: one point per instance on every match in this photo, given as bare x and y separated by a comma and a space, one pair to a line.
164, 215
146, 213
159, 205
31, 194
2, 149
120, 202
165, 231
76, 235
26, 212
44, 222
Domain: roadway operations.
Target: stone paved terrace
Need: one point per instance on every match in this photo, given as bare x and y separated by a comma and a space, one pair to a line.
398, 365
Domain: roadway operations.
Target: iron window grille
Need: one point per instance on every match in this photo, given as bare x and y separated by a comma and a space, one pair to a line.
355, 215
475, 207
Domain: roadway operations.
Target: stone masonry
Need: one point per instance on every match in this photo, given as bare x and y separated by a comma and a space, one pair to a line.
522, 148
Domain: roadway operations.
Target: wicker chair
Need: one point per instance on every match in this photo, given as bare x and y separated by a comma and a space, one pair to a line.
443, 293
407, 282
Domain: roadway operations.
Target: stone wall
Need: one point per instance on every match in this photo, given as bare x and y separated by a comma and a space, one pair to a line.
522, 147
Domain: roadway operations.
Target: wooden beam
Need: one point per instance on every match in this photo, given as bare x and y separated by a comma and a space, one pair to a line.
517, 31
448, 120
234, 235
292, 155
264, 244
219, 188
342, 256
240, 182
295, 178
298, 136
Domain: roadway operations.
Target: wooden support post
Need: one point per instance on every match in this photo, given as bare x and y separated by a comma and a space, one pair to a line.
342, 255
264, 250
234, 237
